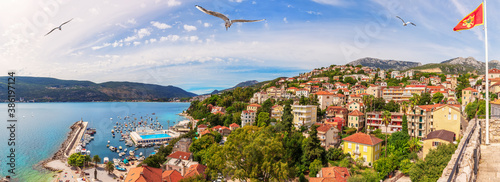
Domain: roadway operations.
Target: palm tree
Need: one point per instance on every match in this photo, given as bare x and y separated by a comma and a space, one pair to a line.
110, 167
96, 159
404, 109
414, 145
387, 120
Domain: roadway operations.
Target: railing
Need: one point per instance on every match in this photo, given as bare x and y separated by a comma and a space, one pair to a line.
454, 171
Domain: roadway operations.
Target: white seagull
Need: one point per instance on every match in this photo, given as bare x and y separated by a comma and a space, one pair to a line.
59, 27
406, 23
228, 22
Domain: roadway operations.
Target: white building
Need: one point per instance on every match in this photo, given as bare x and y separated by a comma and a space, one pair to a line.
247, 117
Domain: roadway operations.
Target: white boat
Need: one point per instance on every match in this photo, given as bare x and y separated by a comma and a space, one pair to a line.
140, 154
131, 152
120, 154
125, 149
88, 152
117, 151
109, 141
120, 147
112, 148
105, 160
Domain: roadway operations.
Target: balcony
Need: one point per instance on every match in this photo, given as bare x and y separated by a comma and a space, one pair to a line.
357, 152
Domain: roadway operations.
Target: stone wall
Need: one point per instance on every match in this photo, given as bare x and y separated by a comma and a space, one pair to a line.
494, 130
467, 162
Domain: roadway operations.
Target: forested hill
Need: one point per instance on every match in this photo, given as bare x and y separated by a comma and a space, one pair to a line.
42, 89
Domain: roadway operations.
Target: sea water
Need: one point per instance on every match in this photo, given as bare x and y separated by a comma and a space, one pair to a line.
42, 128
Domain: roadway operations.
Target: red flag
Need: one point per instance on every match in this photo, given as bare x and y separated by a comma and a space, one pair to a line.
471, 20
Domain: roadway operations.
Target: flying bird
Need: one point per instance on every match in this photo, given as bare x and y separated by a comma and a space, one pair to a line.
406, 23
59, 27
224, 17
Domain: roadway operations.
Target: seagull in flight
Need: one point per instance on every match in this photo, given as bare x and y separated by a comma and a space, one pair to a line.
224, 17
59, 27
406, 23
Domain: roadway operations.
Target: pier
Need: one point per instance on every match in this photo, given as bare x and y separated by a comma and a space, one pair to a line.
75, 136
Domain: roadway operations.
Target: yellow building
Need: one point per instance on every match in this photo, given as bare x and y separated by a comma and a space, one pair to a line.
304, 115
447, 117
469, 95
253, 107
436, 138
277, 112
356, 120
363, 145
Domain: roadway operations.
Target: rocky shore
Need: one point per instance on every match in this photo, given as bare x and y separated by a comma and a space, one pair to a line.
76, 128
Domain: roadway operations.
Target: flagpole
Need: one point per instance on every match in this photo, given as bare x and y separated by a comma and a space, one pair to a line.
487, 82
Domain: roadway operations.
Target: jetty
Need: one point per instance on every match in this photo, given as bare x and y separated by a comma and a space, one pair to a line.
81, 127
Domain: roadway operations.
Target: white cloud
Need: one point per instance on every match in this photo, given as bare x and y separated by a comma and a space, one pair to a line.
314, 12
172, 3
137, 43
189, 28
131, 21
143, 32
284, 19
238, 1
329, 2
131, 38
152, 40
171, 38
160, 25
207, 24
193, 38
94, 11
100, 47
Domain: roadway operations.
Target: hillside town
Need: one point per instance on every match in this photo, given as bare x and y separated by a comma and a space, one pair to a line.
340, 123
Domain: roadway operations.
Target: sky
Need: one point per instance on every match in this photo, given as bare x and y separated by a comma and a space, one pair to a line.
170, 42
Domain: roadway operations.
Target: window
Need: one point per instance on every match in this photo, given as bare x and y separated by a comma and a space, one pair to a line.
449, 116
454, 117
435, 143
365, 149
348, 145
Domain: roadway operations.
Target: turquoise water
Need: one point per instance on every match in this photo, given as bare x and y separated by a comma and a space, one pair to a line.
42, 127
163, 135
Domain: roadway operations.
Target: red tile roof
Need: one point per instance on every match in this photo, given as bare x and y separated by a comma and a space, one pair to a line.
171, 176
234, 125
323, 93
194, 170
202, 126
469, 88
144, 174
333, 174
324, 128
180, 155
494, 70
254, 105
355, 113
363, 139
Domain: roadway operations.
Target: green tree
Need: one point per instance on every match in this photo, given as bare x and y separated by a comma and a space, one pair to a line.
425, 99
287, 118
392, 106
76, 159
414, 145
96, 159
263, 119
315, 167
405, 166
312, 147
197, 178
404, 109
335, 154
384, 166
199, 145
432, 168
437, 97
387, 118
110, 167
250, 153
350, 80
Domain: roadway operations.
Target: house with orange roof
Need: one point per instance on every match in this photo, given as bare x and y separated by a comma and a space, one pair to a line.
336, 122
195, 170
356, 98
337, 111
356, 120
179, 161
144, 174
302, 92
234, 126
328, 135
358, 89
171, 176
374, 90
332, 174
292, 89
325, 99
354, 105
427, 118
277, 112
202, 127
494, 73
469, 95
362, 145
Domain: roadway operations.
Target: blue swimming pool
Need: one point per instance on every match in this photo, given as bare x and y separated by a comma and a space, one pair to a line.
155, 136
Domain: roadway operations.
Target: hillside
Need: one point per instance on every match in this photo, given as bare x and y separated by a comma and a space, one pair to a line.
384, 64
241, 84
43, 89
459, 65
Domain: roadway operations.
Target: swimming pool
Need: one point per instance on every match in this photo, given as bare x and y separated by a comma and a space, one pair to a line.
155, 136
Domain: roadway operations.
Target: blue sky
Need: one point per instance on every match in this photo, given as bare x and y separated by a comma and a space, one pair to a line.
170, 42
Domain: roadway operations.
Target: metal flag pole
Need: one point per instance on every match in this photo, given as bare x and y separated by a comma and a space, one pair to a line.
487, 82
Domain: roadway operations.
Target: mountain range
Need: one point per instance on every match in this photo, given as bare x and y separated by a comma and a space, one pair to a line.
456, 65
241, 84
42, 89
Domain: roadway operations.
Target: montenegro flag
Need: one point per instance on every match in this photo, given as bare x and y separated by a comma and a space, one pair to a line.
471, 20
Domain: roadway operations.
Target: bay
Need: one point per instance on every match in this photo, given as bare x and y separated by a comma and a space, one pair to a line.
42, 127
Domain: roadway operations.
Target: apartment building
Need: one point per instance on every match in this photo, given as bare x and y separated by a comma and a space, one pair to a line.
304, 115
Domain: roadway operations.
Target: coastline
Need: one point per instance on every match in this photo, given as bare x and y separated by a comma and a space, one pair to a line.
61, 154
